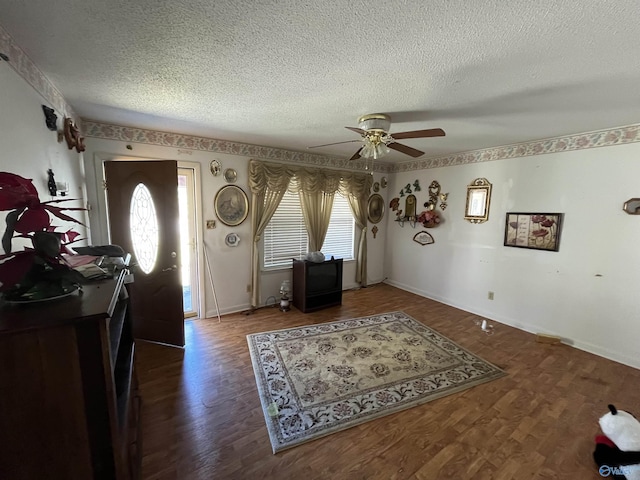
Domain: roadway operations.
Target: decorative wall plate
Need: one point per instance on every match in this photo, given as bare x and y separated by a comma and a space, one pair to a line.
376, 187
232, 240
230, 175
215, 168
383, 182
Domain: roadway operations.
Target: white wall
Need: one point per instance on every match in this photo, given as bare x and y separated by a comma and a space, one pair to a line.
231, 266
29, 149
585, 293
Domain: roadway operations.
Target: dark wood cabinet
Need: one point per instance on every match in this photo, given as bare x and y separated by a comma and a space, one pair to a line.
317, 285
69, 403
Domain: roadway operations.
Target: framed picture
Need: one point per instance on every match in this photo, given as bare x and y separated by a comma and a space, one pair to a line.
540, 231
375, 208
231, 205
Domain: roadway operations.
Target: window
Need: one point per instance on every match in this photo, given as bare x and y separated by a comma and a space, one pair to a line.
285, 237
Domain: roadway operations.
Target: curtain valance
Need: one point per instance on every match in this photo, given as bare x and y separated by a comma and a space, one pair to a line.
278, 177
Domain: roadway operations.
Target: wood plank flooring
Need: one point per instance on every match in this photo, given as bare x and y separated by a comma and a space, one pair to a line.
202, 417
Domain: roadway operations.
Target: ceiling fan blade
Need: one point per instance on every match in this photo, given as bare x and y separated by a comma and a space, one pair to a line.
359, 131
432, 132
404, 149
336, 143
356, 155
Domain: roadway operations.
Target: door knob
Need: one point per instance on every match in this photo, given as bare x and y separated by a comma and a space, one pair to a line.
174, 254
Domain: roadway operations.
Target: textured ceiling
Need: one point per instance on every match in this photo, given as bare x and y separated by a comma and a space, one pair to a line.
294, 73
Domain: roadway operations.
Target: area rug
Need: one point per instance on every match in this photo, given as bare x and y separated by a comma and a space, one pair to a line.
318, 379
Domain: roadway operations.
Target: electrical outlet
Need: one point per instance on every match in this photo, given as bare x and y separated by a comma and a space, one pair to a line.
248, 288
211, 224
490, 295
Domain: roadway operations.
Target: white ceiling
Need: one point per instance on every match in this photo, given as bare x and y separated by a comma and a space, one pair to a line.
294, 73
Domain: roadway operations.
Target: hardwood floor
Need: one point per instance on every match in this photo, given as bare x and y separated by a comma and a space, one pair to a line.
202, 417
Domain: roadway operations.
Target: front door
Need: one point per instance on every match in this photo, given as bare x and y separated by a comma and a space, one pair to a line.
142, 204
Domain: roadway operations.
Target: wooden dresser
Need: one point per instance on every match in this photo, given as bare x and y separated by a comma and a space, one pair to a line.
69, 404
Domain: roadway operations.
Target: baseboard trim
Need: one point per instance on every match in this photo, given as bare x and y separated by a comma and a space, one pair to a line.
533, 329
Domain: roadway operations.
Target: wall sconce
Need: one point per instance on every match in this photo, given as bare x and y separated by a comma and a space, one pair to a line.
632, 206
285, 289
56, 188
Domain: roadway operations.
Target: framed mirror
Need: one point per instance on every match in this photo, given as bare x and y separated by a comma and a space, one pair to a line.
478, 201
375, 208
632, 206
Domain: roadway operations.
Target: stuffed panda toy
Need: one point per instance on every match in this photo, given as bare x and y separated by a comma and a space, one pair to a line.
617, 452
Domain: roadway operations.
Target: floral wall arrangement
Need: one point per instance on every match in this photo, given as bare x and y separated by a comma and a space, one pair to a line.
430, 217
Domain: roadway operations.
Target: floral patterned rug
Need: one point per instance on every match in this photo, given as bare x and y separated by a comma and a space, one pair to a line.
319, 379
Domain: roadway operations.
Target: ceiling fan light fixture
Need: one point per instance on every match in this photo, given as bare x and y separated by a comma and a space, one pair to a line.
374, 148
382, 149
375, 121
378, 142
368, 150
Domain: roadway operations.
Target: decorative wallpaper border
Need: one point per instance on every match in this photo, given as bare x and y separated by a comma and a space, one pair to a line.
167, 139
24, 66
579, 141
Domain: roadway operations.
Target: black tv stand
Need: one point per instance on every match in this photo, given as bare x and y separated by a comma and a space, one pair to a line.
306, 297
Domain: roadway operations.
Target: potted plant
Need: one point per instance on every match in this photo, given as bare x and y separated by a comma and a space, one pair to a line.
40, 272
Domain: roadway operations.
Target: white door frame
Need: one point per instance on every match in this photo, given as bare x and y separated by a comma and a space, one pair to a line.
99, 231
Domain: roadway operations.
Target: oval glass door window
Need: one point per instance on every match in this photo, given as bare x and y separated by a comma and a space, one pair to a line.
144, 228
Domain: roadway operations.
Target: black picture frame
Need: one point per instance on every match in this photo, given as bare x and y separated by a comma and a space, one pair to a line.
537, 231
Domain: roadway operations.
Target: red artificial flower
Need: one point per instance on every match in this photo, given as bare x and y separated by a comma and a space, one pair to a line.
14, 266
16, 192
27, 217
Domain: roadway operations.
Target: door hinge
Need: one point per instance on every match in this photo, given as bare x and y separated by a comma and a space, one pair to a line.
104, 184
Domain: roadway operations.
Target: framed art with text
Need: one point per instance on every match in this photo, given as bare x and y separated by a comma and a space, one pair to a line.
539, 231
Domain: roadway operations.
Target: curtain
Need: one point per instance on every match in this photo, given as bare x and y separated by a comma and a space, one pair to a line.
316, 210
357, 188
268, 183
316, 188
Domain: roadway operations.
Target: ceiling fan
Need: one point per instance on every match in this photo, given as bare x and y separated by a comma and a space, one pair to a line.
374, 131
